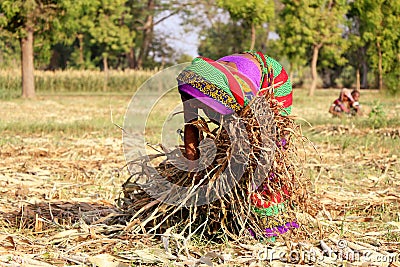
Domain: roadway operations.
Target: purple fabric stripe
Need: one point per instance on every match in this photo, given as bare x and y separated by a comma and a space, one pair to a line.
245, 66
269, 232
214, 104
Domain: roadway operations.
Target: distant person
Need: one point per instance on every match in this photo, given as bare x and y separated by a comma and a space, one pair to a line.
355, 108
346, 104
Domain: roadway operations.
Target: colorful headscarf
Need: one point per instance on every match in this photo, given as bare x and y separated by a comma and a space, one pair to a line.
346, 92
227, 90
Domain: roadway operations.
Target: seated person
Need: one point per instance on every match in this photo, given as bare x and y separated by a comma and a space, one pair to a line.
355, 108
347, 103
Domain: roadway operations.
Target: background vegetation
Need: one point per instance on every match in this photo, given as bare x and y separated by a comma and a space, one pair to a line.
323, 43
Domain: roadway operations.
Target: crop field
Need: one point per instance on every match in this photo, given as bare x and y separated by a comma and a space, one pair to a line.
62, 168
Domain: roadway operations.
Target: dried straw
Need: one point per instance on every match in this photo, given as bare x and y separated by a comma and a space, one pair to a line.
263, 139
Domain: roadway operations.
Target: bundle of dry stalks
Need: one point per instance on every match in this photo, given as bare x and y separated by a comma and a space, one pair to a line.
253, 186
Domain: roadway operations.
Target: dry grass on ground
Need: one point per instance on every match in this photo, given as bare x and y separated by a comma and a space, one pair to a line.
59, 183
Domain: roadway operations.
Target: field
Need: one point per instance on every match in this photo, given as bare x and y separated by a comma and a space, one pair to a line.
62, 167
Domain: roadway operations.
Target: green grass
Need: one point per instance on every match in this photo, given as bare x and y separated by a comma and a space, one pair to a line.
73, 129
73, 81
364, 133
79, 112
74, 116
315, 109
371, 142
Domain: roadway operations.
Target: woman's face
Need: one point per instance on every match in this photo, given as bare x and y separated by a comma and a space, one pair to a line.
211, 113
195, 103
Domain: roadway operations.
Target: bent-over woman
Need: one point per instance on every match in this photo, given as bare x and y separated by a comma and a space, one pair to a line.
226, 86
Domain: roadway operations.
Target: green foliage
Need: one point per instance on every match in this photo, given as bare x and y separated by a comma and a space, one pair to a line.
392, 76
346, 78
392, 81
48, 20
20, 15
250, 14
252, 11
73, 82
307, 23
377, 116
80, 33
223, 39
106, 28
89, 30
9, 47
232, 37
378, 24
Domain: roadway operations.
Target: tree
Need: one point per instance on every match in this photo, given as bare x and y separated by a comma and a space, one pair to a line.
24, 18
356, 53
108, 30
253, 13
223, 39
294, 46
9, 47
144, 16
379, 20
77, 23
309, 25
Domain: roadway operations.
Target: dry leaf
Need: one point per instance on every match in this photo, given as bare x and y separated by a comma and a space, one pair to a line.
106, 260
10, 239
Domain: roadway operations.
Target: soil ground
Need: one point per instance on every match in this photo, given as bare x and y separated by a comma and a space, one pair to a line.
62, 167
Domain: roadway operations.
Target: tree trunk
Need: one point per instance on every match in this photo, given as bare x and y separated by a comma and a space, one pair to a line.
55, 61
253, 36
105, 66
147, 34
364, 82
132, 64
27, 67
380, 65
358, 87
267, 31
264, 45
364, 65
291, 72
81, 59
314, 74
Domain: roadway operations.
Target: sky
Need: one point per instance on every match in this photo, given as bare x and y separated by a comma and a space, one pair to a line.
186, 43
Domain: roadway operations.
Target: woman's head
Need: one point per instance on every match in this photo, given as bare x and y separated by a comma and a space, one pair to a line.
193, 102
356, 95
196, 104
345, 95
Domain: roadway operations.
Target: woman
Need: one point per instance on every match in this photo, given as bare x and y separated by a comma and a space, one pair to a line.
355, 106
347, 103
226, 86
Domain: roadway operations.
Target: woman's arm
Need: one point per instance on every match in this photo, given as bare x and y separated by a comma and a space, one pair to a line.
334, 112
191, 132
191, 140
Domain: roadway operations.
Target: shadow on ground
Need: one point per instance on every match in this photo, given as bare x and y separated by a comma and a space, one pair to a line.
44, 215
